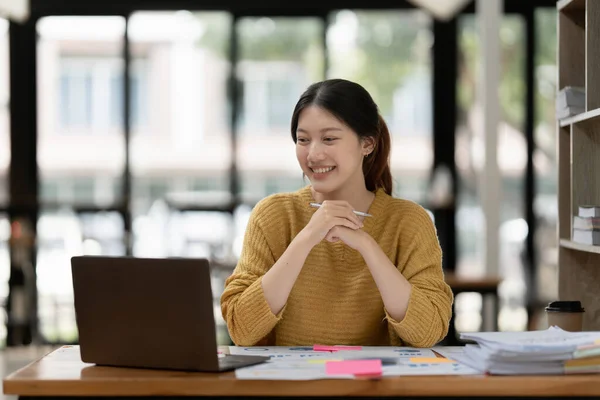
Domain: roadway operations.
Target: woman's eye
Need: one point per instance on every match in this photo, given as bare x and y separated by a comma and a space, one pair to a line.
329, 139
302, 140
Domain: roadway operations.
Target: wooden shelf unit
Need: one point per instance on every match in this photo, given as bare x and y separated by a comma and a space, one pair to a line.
578, 141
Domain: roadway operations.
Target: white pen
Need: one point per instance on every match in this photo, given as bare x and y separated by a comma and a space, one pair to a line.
362, 214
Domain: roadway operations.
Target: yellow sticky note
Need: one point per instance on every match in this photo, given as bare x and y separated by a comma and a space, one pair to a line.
430, 360
321, 361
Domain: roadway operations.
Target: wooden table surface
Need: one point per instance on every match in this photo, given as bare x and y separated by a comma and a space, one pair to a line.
62, 373
465, 284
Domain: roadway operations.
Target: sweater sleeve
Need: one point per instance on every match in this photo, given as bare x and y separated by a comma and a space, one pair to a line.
430, 304
245, 309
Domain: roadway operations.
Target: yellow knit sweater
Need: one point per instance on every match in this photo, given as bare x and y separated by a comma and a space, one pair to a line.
335, 299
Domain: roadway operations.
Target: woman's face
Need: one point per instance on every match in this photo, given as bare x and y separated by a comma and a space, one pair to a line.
329, 152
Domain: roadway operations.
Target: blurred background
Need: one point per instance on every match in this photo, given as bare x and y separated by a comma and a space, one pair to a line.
151, 128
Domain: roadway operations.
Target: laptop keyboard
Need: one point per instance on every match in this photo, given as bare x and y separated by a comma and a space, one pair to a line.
225, 362
229, 362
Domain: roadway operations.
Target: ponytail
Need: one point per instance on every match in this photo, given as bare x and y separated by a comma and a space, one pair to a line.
376, 166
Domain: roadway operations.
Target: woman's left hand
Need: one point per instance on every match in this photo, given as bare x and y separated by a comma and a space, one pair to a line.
354, 238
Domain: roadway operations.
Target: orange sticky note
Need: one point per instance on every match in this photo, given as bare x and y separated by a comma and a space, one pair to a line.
430, 360
321, 347
353, 367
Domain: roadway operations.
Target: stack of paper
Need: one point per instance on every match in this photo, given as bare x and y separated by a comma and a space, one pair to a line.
553, 351
570, 101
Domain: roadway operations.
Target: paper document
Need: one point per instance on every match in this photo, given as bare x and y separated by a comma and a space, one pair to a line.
429, 368
449, 351
320, 347
550, 340
311, 369
299, 370
301, 352
302, 363
552, 351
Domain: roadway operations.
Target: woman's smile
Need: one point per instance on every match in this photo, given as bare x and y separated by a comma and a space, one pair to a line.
322, 172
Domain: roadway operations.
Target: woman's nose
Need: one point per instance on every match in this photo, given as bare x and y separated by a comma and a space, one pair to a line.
315, 153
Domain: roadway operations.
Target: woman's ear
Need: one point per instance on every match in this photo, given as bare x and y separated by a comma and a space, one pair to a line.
368, 145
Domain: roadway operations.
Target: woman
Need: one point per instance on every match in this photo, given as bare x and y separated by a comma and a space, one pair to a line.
326, 275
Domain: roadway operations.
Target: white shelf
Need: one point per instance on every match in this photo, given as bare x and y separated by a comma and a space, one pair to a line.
579, 246
588, 115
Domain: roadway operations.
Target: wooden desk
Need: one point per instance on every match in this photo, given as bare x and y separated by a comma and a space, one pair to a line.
61, 373
486, 286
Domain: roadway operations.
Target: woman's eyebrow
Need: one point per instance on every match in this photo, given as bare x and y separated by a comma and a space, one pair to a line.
331, 128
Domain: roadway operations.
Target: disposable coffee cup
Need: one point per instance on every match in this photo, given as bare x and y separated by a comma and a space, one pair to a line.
567, 315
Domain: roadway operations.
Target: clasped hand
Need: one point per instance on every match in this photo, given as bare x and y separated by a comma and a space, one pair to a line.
334, 221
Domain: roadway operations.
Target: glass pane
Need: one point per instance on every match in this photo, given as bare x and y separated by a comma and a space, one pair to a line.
389, 54
279, 59
4, 112
62, 235
80, 143
81, 155
181, 151
544, 158
512, 160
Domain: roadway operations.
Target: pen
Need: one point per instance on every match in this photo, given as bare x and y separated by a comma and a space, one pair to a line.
362, 214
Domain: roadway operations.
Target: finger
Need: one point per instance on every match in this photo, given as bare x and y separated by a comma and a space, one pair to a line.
331, 237
348, 214
346, 211
355, 218
341, 221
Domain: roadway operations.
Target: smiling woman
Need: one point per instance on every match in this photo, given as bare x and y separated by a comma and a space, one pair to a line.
327, 125
336, 278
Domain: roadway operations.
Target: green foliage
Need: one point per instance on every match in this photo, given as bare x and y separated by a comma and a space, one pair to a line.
390, 46
512, 58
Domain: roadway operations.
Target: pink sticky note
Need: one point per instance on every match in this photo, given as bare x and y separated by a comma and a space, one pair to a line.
321, 347
353, 367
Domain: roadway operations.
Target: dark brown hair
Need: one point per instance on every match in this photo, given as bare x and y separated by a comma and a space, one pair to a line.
352, 104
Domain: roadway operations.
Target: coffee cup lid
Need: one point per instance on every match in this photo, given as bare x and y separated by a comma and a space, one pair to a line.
565, 306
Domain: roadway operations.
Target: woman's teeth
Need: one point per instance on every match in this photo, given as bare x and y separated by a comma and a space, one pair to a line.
322, 170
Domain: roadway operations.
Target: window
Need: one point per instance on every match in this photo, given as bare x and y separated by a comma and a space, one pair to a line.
138, 93
91, 94
390, 53
186, 153
512, 157
81, 155
61, 235
544, 158
75, 96
279, 58
80, 142
271, 91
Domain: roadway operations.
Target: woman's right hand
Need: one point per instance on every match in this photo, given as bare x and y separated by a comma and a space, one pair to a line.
330, 214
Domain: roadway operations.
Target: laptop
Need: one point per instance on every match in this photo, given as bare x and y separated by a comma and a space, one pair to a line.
148, 313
